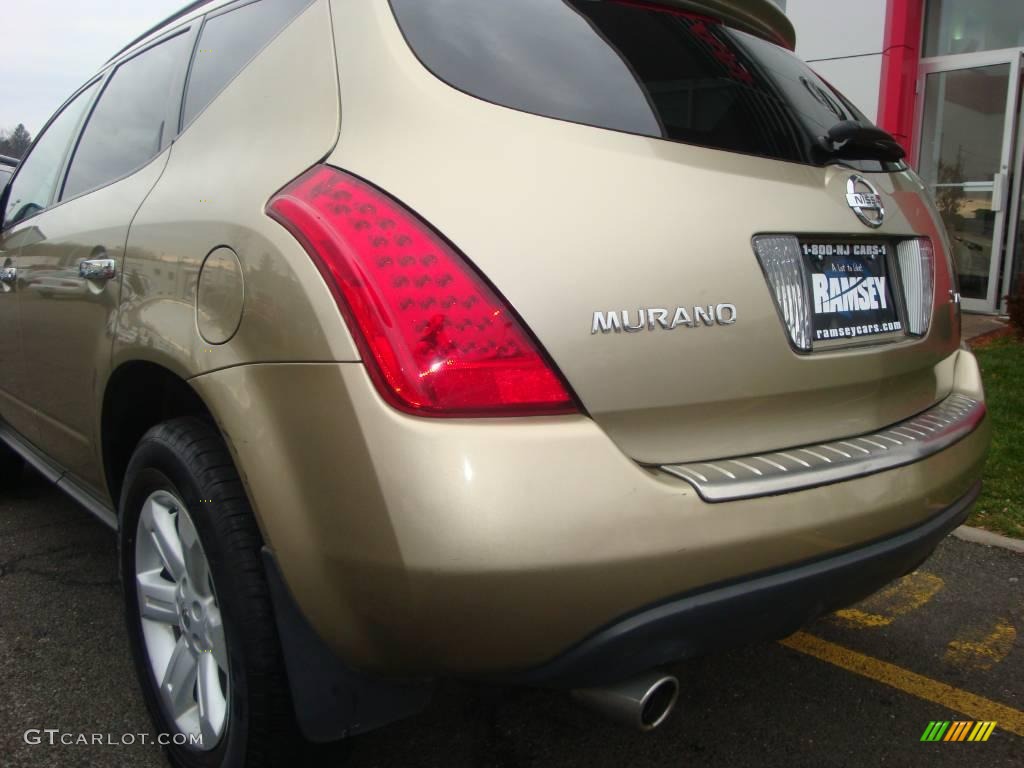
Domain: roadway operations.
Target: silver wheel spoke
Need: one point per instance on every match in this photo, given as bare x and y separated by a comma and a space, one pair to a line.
156, 598
212, 704
159, 521
179, 680
192, 551
215, 627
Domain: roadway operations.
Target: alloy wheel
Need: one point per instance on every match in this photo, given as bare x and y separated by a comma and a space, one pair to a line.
182, 626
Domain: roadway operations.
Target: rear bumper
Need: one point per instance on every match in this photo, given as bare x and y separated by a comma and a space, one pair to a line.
764, 607
487, 548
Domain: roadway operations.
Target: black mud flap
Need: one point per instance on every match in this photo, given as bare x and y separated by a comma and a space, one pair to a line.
333, 701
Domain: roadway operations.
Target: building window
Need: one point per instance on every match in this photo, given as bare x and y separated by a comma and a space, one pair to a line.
966, 26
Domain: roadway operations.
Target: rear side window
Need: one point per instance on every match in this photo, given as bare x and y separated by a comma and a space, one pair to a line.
34, 186
230, 41
133, 119
628, 67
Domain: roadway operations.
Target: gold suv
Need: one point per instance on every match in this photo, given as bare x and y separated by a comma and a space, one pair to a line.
543, 342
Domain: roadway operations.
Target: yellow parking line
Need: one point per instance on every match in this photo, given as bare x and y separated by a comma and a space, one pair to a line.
906, 595
977, 650
975, 707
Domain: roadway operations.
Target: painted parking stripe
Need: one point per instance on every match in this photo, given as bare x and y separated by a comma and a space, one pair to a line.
955, 699
905, 596
977, 648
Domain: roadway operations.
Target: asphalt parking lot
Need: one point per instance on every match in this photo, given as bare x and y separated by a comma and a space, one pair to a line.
858, 688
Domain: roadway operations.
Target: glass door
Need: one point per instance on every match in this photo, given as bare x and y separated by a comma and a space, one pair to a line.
967, 111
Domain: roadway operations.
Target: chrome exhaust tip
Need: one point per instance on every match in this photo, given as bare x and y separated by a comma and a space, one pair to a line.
643, 702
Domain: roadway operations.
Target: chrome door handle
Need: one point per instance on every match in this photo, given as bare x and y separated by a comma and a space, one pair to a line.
9, 275
97, 269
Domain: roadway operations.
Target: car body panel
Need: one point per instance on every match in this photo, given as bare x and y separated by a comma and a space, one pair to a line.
12, 360
68, 322
419, 546
470, 546
655, 224
213, 194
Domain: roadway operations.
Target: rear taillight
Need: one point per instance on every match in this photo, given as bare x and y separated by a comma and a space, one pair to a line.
437, 339
917, 273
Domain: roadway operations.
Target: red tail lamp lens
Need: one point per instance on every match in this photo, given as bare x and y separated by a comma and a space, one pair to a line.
436, 337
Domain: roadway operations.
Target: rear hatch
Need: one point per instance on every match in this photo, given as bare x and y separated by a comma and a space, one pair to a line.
651, 190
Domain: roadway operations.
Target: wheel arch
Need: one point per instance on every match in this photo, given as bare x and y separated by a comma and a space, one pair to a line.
139, 395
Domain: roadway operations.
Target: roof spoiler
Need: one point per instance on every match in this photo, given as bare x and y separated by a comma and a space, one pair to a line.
758, 17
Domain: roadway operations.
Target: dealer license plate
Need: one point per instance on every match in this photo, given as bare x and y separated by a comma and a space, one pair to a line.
851, 290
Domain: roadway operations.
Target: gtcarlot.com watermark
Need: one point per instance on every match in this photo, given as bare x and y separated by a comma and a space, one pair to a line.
54, 737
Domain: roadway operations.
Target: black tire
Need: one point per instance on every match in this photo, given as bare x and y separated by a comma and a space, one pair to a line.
12, 467
188, 458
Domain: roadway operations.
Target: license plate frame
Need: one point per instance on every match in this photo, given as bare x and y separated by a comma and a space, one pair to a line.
851, 287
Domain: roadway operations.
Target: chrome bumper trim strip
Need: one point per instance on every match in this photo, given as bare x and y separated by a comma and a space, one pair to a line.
794, 469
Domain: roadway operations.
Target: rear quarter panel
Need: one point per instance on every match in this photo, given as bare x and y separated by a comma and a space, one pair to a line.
279, 116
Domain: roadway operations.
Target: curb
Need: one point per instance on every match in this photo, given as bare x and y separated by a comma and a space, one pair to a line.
989, 539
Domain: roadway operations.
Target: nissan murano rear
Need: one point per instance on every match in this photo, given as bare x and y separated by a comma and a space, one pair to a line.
545, 343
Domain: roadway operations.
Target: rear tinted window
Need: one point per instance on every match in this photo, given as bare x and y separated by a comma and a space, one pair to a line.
229, 42
133, 118
628, 67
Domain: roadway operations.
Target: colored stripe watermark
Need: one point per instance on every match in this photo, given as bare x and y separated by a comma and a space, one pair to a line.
958, 730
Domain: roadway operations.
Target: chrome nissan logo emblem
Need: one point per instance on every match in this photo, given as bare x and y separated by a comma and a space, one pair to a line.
865, 201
